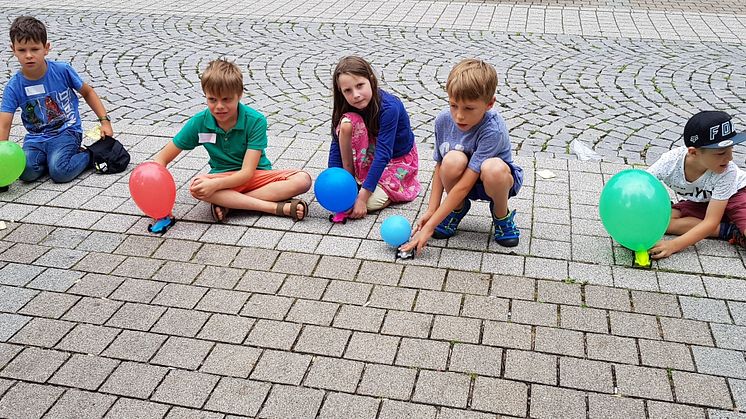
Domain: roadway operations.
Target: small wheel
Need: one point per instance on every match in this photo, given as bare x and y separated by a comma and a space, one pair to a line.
331, 218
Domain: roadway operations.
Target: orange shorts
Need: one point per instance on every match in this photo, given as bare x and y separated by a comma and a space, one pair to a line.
260, 179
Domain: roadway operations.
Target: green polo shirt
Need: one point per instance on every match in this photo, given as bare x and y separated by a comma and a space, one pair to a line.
226, 149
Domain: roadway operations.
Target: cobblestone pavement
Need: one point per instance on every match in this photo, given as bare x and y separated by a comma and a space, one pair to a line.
666, 19
264, 317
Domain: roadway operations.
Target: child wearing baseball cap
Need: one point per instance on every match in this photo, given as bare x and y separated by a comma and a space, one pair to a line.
709, 184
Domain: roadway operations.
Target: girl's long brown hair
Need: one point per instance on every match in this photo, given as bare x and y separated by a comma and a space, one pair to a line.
358, 67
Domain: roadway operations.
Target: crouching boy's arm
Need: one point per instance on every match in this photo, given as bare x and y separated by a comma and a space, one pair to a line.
437, 212
436, 195
665, 248
204, 186
92, 99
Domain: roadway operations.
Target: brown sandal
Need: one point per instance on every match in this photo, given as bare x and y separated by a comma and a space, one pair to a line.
213, 210
280, 209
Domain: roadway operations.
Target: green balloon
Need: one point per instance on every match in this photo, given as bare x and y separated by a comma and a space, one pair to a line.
635, 209
12, 162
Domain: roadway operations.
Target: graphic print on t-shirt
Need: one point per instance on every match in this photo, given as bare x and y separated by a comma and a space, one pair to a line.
55, 116
29, 113
49, 116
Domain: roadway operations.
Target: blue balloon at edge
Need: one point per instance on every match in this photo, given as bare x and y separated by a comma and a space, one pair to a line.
335, 189
396, 230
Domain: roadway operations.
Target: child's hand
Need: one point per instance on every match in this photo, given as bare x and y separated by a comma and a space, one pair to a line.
663, 249
419, 240
423, 220
202, 187
359, 210
106, 129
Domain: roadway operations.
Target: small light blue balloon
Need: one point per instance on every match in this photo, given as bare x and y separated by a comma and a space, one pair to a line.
396, 230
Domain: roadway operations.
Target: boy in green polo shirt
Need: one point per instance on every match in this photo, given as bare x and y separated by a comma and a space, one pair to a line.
235, 137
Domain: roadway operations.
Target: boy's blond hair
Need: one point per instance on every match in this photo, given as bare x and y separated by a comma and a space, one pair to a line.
222, 77
472, 79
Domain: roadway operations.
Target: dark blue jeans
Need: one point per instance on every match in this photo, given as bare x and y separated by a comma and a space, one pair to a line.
60, 156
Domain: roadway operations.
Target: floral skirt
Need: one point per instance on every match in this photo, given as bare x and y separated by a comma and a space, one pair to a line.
399, 178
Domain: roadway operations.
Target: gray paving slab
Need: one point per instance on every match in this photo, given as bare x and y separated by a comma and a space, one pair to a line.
237, 396
28, 400
292, 402
387, 381
125, 407
340, 405
185, 388
34, 364
134, 379
281, 367
556, 402
701, 389
334, 374
77, 403
84, 372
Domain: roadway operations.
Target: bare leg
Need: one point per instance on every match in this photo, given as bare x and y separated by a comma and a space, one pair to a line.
498, 180
264, 199
452, 167
345, 145
680, 225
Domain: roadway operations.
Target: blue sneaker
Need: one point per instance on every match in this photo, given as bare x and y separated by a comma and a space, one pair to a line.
506, 232
447, 227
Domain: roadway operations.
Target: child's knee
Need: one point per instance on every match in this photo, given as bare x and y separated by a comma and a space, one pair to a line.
495, 172
454, 163
30, 174
192, 190
352, 118
378, 200
58, 176
61, 172
345, 129
302, 181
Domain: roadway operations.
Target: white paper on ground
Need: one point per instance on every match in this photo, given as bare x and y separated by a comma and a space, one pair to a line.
546, 174
583, 152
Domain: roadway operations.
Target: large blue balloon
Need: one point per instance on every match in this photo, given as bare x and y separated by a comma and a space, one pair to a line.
335, 189
396, 230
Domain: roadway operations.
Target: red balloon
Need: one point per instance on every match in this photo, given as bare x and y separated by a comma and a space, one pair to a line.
153, 189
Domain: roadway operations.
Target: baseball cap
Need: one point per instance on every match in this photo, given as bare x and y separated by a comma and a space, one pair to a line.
711, 129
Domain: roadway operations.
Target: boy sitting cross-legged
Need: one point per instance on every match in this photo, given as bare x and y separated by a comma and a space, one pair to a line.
474, 160
235, 137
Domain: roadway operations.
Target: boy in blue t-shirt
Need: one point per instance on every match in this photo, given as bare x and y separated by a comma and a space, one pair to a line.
473, 159
45, 92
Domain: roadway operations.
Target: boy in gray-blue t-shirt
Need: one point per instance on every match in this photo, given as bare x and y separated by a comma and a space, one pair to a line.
474, 159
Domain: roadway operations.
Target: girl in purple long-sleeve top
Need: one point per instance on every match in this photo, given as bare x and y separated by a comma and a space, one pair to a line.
372, 138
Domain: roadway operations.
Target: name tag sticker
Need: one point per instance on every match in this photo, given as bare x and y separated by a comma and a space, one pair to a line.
37, 89
207, 137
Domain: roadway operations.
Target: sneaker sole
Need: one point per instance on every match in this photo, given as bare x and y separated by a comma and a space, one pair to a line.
508, 242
